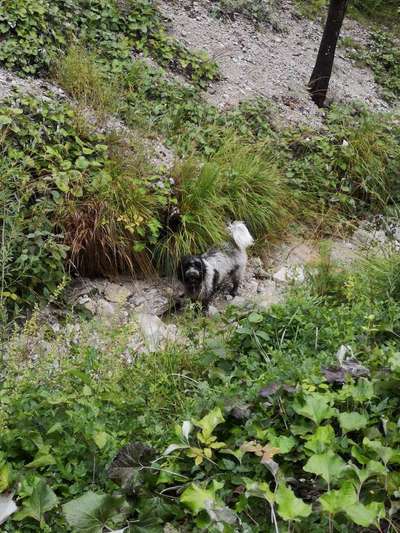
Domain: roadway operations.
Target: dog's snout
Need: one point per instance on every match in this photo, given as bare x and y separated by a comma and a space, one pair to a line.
192, 273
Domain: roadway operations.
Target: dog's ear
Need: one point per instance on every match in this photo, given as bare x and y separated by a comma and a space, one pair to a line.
203, 269
180, 270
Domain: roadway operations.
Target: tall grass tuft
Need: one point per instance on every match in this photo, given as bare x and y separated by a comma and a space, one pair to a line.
80, 74
379, 276
110, 230
240, 181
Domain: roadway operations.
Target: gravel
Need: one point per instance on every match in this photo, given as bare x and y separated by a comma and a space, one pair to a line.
265, 63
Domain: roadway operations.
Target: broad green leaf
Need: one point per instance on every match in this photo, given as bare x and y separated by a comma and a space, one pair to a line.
322, 440
91, 512
283, 443
7, 507
289, 506
315, 407
365, 515
328, 465
42, 499
41, 459
394, 362
5, 472
259, 489
198, 498
363, 390
57, 427
358, 454
81, 163
255, 318
336, 501
373, 468
352, 421
385, 453
100, 438
210, 422
173, 447
4, 120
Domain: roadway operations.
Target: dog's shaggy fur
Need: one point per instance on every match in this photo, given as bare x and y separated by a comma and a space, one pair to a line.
203, 275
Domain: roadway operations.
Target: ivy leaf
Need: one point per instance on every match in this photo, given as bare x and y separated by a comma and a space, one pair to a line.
198, 498
352, 421
42, 499
328, 465
91, 512
289, 506
7, 507
315, 407
210, 422
365, 515
282, 443
336, 501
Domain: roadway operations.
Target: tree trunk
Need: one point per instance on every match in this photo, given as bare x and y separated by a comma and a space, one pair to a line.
319, 81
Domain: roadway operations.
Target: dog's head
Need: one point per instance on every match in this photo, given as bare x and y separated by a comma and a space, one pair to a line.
191, 272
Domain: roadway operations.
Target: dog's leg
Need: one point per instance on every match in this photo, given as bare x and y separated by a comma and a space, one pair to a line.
235, 275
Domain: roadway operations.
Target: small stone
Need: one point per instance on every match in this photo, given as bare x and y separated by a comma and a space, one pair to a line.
292, 274
105, 309
117, 293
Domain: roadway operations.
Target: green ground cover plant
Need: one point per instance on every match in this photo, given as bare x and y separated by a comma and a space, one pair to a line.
66, 195
254, 10
383, 56
34, 32
289, 416
368, 12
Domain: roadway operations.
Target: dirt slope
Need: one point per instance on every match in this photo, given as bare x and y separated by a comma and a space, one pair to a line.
275, 65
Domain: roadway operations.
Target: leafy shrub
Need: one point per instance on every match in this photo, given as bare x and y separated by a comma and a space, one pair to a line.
34, 31
73, 192
383, 56
255, 10
32, 252
349, 168
273, 425
240, 181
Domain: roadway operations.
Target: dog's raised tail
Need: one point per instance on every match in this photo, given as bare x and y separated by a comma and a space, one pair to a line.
240, 235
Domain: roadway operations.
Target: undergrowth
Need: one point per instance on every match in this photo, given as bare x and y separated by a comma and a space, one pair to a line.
368, 12
287, 415
35, 32
383, 56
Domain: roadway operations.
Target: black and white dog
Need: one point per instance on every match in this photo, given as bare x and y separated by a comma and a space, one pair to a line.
203, 275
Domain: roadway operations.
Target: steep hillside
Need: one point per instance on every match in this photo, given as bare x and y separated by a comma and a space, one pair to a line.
131, 133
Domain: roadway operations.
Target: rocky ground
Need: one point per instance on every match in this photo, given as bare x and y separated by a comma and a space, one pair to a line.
146, 303
270, 62
273, 61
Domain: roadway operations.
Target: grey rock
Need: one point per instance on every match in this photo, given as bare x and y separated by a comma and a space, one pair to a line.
117, 293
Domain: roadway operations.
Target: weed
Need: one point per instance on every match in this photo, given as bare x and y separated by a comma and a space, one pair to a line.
258, 414
383, 56
82, 78
34, 31
256, 11
240, 181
